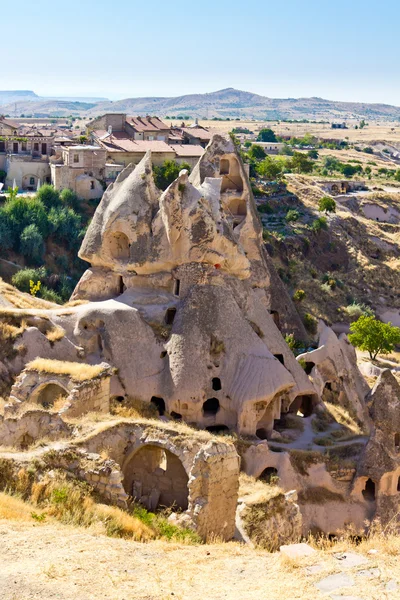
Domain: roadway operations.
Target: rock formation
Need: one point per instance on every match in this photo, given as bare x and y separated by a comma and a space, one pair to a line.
180, 291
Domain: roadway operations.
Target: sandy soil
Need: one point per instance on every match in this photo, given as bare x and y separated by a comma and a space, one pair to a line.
52, 561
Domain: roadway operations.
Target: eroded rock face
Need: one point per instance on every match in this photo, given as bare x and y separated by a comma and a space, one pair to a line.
270, 523
180, 291
378, 474
336, 376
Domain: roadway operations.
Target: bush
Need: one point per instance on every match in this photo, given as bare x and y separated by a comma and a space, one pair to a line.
69, 198
299, 295
6, 234
31, 243
22, 278
20, 212
49, 196
256, 152
50, 295
373, 336
167, 173
318, 224
326, 205
356, 310
292, 216
310, 323
66, 223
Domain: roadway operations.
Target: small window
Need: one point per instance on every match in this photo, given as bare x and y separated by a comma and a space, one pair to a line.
23, 146
36, 147
32, 181
177, 287
76, 158
15, 147
92, 185
216, 384
397, 441
170, 316
224, 166
280, 358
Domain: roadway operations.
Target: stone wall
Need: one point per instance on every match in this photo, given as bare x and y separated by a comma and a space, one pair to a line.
210, 465
45, 388
22, 431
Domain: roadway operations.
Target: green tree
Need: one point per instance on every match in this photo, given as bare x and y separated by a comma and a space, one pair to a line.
349, 170
327, 205
31, 243
313, 154
165, 174
300, 163
266, 135
397, 175
256, 152
270, 169
331, 163
49, 196
371, 335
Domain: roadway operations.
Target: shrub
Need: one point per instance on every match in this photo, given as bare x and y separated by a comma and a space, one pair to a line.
373, 336
167, 173
318, 224
299, 295
66, 223
69, 198
292, 216
50, 295
6, 235
310, 323
356, 310
256, 152
22, 278
326, 205
31, 243
49, 196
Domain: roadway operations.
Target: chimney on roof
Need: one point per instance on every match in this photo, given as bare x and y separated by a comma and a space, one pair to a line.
109, 130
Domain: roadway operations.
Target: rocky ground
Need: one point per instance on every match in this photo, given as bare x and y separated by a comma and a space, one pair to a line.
48, 561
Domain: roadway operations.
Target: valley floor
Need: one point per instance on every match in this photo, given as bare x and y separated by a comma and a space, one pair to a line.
52, 561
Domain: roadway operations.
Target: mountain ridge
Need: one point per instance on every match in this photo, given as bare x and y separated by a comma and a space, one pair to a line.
227, 102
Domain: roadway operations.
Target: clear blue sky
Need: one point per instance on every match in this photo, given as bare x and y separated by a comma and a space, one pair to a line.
340, 50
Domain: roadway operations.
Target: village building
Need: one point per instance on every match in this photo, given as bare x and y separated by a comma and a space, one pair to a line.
25, 153
127, 139
82, 169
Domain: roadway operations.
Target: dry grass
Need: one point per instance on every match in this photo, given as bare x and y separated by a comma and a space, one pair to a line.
343, 417
77, 371
15, 509
21, 300
55, 334
133, 408
254, 490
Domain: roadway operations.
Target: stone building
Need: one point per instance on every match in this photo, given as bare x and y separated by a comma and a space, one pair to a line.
82, 169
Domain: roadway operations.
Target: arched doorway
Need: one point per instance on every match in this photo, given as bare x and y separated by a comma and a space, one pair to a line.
48, 393
156, 477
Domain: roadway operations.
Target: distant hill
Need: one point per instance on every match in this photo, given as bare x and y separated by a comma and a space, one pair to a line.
223, 103
235, 103
17, 96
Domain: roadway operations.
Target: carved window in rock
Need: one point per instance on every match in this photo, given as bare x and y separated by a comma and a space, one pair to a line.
119, 246
369, 491
159, 403
397, 441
